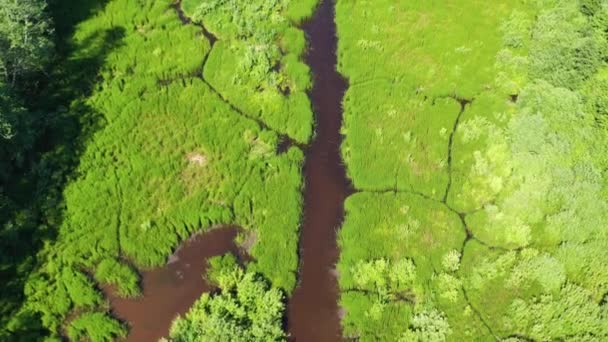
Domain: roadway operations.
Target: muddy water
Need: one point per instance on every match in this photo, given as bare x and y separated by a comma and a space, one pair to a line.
313, 309
171, 290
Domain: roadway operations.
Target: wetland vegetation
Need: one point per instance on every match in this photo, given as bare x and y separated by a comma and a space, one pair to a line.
174, 147
475, 138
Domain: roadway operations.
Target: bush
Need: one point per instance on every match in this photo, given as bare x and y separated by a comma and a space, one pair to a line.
96, 327
245, 309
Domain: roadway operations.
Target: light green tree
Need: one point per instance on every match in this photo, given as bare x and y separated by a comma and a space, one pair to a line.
427, 326
245, 309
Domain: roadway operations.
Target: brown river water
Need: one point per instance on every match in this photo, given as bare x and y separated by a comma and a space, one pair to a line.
313, 310
313, 313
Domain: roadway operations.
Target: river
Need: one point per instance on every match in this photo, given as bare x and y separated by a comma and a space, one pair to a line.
313, 309
172, 289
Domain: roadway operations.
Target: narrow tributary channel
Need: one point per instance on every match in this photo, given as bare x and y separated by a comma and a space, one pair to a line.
313, 309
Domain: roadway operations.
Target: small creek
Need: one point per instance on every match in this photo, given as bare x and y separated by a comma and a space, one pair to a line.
313, 309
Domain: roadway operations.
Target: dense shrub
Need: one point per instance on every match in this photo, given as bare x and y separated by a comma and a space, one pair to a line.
110, 271
96, 327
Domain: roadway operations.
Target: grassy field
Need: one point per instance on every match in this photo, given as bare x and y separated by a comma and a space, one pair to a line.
185, 138
431, 59
488, 123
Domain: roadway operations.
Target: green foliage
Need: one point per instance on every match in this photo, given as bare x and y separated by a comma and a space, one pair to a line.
220, 266
387, 279
245, 309
269, 82
427, 326
28, 180
167, 155
451, 261
10, 110
126, 280
566, 50
49, 300
384, 277
521, 164
570, 313
26, 42
413, 92
80, 288
594, 96
417, 150
298, 11
590, 7
95, 327
259, 20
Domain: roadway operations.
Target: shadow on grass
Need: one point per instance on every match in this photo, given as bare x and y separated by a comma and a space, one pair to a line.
59, 123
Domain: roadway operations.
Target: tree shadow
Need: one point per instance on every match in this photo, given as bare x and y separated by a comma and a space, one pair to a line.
31, 201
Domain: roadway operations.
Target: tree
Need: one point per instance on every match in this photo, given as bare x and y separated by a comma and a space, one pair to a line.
428, 326
8, 111
25, 38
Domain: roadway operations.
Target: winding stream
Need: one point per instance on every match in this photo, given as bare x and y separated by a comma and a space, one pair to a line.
313, 310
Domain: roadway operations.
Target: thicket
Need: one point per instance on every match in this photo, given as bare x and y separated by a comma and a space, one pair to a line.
245, 308
495, 117
164, 153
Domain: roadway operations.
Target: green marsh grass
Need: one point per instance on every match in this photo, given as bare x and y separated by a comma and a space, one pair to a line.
518, 87
258, 41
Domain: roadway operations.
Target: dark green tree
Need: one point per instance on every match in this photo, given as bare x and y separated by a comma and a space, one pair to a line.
25, 38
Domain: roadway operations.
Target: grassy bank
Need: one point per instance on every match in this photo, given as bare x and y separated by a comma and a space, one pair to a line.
185, 139
493, 116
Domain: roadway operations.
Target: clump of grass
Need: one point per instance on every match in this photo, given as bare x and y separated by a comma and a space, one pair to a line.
268, 81
95, 326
